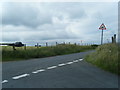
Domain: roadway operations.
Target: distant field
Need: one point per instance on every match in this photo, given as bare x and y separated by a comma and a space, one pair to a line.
106, 57
33, 52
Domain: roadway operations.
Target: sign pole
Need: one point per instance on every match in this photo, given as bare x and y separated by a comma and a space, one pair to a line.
102, 37
102, 27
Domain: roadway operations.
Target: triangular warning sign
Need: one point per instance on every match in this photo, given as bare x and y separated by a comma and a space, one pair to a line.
102, 27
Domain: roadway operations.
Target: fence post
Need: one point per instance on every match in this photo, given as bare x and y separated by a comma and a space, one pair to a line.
114, 38
46, 44
14, 47
37, 45
56, 43
25, 46
75, 43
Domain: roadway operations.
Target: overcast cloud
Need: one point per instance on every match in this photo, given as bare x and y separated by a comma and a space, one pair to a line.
42, 22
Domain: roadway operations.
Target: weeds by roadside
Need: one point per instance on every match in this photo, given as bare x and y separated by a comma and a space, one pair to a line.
106, 57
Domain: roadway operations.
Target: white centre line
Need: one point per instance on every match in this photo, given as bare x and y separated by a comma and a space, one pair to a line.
37, 71
4, 81
61, 64
20, 76
75, 61
80, 59
41, 70
52, 67
70, 63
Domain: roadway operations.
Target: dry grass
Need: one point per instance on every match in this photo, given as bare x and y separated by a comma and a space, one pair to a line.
32, 52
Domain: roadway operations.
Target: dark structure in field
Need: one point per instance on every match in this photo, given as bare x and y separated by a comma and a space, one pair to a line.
16, 44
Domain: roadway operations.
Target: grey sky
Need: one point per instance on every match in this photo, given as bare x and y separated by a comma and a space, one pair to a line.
43, 22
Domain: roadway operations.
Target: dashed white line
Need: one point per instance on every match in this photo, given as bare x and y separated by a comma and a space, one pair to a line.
70, 63
41, 70
61, 64
37, 71
4, 81
20, 76
80, 59
75, 61
52, 67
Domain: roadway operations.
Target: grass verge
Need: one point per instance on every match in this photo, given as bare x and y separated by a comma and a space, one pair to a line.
105, 57
32, 52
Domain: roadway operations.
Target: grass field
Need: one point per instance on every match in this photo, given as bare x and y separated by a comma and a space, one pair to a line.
106, 57
32, 52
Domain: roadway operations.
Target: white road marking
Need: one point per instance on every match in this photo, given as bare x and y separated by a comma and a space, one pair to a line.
75, 61
41, 70
4, 81
37, 71
20, 76
70, 63
52, 67
80, 59
61, 64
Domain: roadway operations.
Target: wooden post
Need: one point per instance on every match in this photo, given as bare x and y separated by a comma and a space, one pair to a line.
75, 43
56, 43
14, 48
46, 44
24, 46
81, 43
114, 38
37, 45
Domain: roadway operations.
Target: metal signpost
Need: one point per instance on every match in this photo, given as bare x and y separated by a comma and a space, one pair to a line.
102, 27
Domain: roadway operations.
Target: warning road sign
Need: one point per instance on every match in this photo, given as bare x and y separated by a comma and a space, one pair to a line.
102, 27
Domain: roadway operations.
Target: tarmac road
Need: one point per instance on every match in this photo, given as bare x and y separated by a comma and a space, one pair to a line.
64, 71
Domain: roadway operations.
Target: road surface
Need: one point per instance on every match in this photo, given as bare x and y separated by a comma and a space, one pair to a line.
64, 71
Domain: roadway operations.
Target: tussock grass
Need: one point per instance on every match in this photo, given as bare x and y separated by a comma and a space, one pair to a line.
32, 52
105, 57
